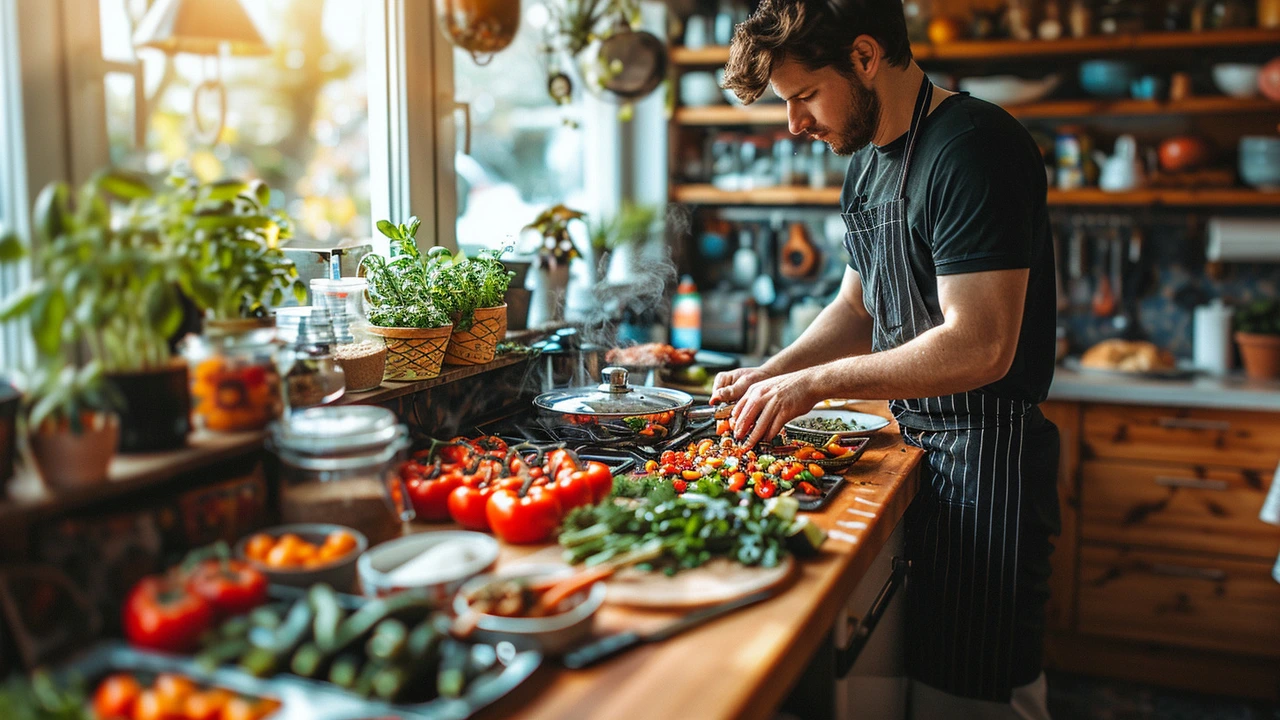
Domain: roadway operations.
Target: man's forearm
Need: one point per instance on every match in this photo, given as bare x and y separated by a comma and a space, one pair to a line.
942, 361
838, 332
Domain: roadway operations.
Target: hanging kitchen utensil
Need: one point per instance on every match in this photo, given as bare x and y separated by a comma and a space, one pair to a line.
481, 27
1060, 292
1077, 287
1104, 300
798, 256
629, 64
1118, 251
1134, 287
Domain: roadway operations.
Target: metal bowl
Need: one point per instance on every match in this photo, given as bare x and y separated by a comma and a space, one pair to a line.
340, 574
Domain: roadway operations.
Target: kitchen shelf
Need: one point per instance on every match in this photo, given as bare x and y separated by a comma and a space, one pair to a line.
711, 195
730, 115
1066, 47
1169, 197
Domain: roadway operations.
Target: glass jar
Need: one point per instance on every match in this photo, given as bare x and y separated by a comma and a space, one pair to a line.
726, 165
312, 375
362, 355
784, 159
234, 383
340, 464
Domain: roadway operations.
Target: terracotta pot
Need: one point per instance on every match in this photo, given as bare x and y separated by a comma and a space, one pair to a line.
1261, 355
68, 460
414, 353
478, 344
157, 408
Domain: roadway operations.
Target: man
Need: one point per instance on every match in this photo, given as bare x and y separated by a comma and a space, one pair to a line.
947, 309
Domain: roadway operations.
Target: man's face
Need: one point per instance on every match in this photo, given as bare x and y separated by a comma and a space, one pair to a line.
827, 106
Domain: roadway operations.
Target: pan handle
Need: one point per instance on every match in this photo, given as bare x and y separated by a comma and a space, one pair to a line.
706, 412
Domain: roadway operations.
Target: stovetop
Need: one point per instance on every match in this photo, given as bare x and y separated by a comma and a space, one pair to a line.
620, 453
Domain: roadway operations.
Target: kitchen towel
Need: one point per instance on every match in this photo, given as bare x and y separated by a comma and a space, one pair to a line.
1271, 514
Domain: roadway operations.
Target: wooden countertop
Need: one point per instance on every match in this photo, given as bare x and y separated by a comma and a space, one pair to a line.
742, 665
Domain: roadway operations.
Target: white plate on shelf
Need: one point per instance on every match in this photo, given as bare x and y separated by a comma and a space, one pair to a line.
866, 423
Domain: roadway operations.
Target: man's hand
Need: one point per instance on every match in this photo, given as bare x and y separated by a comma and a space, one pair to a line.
732, 385
771, 403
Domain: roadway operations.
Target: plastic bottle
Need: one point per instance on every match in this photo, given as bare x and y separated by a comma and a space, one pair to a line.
686, 316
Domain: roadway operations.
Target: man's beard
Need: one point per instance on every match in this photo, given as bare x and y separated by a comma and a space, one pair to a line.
864, 120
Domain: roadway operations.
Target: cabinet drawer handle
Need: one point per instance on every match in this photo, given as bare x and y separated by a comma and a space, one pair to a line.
1213, 574
1193, 424
1192, 483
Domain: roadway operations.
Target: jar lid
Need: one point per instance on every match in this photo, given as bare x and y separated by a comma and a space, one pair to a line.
335, 430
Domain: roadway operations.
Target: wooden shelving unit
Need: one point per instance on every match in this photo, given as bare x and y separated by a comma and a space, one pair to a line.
732, 115
986, 50
1165, 197
795, 196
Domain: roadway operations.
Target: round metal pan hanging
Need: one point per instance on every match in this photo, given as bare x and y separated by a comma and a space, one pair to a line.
630, 63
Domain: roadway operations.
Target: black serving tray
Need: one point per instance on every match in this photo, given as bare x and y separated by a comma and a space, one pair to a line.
301, 698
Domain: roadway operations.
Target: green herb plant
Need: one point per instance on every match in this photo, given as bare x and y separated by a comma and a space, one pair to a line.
230, 238
408, 291
1261, 317
476, 282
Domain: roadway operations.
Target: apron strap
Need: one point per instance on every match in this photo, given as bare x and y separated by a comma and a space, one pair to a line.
923, 100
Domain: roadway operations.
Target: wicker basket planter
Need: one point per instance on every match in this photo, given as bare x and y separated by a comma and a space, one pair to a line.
414, 353
478, 344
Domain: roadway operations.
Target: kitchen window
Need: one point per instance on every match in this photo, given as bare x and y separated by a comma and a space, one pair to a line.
297, 118
13, 342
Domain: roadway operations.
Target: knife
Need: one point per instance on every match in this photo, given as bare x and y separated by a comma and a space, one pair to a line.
607, 647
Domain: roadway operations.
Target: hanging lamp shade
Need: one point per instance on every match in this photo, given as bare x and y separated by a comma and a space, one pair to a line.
200, 27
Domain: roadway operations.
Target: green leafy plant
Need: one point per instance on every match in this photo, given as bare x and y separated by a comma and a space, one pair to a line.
475, 282
552, 225
631, 225
405, 291
230, 240
1261, 317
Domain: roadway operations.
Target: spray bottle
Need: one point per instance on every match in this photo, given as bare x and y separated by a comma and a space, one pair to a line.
686, 316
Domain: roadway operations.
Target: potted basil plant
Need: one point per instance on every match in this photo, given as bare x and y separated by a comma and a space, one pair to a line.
408, 304
118, 284
479, 284
1257, 332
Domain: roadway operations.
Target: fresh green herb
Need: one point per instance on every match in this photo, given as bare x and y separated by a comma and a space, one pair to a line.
691, 528
478, 282
826, 424
405, 291
41, 698
1261, 317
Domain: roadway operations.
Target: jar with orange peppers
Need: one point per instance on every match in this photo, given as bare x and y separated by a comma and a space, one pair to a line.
235, 386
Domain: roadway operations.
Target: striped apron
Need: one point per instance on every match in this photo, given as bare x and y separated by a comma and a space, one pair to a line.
978, 532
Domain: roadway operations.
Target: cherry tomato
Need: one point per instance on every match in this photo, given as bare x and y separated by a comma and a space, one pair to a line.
533, 518
467, 506
807, 488
766, 489
115, 697
737, 481
816, 470
430, 497
790, 472
600, 477
230, 586
173, 689
206, 705
162, 615
572, 489
151, 705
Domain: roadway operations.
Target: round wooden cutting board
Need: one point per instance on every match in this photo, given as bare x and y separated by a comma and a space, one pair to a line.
718, 580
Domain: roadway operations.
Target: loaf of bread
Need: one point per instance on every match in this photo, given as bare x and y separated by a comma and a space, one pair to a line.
1127, 356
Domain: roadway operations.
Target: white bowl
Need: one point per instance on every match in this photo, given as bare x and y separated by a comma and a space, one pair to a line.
377, 566
1239, 80
699, 89
1008, 90
555, 634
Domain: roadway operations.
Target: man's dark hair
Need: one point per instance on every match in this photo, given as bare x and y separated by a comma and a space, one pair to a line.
815, 33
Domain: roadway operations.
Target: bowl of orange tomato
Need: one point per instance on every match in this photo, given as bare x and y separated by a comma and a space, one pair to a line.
303, 554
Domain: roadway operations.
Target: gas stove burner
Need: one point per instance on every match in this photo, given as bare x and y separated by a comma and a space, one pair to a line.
590, 443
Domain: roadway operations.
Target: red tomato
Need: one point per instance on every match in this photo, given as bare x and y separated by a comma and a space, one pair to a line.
766, 488
458, 451
162, 615
533, 518
558, 460
230, 586
467, 506
115, 697
600, 477
737, 481
572, 489
492, 445
430, 497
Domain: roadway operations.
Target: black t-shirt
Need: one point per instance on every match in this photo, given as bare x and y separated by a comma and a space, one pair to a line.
975, 202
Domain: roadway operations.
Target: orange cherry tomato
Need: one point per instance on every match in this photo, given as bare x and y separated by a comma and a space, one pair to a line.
175, 689
258, 546
342, 540
206, 705
115, 697
151, 705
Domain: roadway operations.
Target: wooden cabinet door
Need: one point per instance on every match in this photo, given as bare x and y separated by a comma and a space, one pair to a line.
1177, 507
1197, 437
1179, 599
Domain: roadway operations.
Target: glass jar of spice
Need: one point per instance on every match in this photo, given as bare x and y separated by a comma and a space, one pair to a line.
362, 355
234, 383
340, 464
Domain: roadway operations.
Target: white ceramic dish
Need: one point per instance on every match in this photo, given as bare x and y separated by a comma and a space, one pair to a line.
867, 423
554, 634
377, 566
1238, 80
1009, 90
